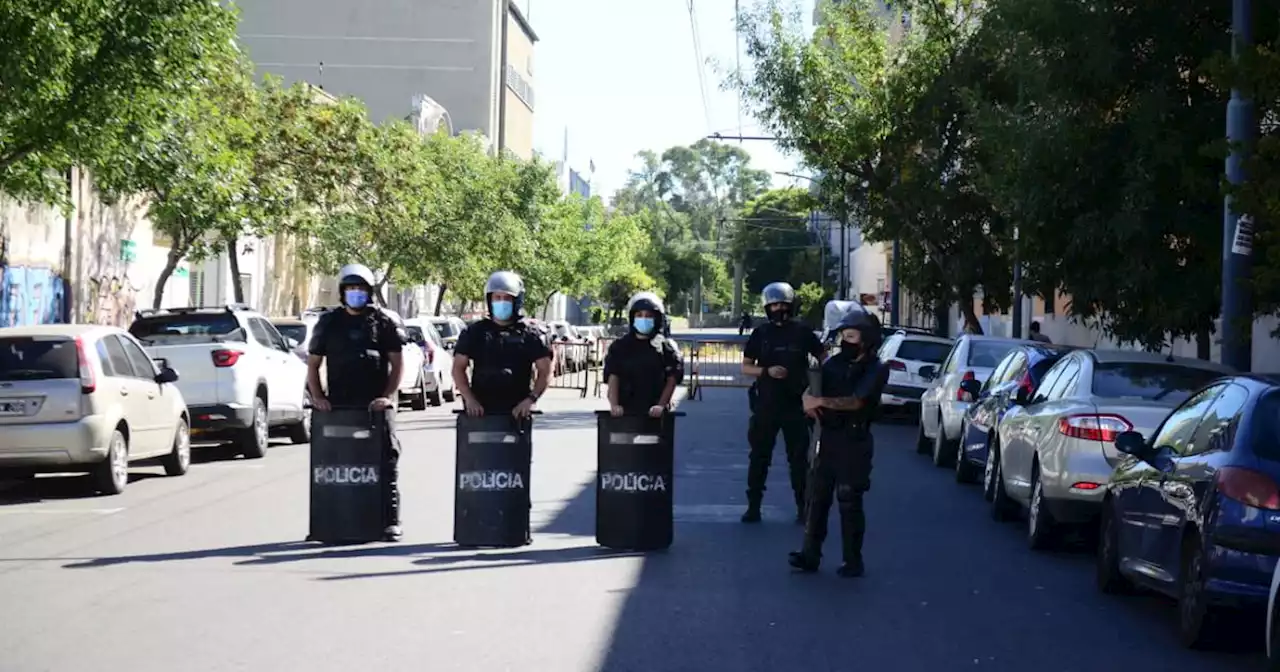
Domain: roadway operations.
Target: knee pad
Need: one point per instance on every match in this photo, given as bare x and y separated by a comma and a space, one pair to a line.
849, 497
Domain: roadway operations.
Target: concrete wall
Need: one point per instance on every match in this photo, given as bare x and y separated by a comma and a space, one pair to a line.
519, 89
383, 52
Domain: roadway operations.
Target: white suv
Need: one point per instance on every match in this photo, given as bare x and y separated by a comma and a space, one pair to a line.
911, 358
82, 397
240, 377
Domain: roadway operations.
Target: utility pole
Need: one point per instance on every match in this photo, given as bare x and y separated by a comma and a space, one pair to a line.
895, 285
1017, 287
1237, 228
843, 290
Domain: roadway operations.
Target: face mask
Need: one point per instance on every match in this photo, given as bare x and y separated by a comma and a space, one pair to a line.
356, 298
644, 325
502, 310
779, 315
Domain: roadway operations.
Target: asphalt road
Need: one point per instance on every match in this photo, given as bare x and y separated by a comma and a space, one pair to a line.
206, 572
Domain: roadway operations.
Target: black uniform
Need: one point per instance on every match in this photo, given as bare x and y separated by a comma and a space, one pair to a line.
358, 369
775, 404
642, 367
842, 466
502, 362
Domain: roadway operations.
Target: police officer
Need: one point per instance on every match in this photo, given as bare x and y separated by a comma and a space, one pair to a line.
852, 381
360, 348
777, 355
505, 351
643, 368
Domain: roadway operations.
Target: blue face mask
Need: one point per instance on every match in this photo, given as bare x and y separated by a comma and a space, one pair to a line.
643, 325
356, 298
502, 310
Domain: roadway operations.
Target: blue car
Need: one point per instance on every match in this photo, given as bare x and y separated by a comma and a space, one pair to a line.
1194, 511
1021, 369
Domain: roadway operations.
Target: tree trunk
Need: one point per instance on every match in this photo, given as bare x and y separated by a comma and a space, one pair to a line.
233, 260
971, 323
377, 292
176, 252
1204, 343
440, 298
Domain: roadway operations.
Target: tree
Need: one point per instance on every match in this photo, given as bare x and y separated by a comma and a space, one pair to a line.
91, 81
879, 111
773, 238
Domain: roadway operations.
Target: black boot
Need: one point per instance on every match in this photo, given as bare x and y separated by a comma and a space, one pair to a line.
752, 514
853, 526
804, 561
851, 569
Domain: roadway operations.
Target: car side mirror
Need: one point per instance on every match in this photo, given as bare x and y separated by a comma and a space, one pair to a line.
1162, 460
449, 345
1022, 397
167, 375
928, 373
972, 387
1131, 443
161, 363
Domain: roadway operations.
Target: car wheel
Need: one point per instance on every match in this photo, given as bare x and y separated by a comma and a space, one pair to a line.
418, 401
1002, 506
178, 461
942, 453
1195, 618
254, 439
437, 398
966, 472
1040, 523
450, 395
989, 471
1107, 573
111, 475
922, 441
301, 432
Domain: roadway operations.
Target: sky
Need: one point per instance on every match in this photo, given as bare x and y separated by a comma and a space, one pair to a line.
622, 76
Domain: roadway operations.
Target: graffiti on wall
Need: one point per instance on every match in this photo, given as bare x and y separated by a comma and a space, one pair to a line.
111, 301
30, 295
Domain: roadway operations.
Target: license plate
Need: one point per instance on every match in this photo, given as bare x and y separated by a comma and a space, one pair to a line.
13, 408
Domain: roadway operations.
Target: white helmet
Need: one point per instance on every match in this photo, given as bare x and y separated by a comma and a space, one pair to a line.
355, 274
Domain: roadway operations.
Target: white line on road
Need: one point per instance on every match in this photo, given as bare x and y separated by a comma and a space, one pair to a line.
101, 512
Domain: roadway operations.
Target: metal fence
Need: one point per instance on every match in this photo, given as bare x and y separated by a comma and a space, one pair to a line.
710, 362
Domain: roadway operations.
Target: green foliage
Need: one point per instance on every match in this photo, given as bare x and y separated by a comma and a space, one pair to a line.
92, 82
774, 241
813, 298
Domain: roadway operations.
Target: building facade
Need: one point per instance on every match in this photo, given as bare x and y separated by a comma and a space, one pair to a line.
387, 52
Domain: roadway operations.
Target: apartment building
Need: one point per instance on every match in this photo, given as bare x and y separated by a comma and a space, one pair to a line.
472, 57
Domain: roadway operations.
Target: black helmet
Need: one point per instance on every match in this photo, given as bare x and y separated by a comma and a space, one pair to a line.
866, 323
651, 302
506, 282
779, 292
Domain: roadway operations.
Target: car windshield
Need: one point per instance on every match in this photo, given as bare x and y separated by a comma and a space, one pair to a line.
987, 354
297, 332
932, 352
415, 332
1149, 381
187, 327
38, 358
447, 328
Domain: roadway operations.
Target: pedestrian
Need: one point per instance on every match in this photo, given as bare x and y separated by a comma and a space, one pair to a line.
1036, 334
360, 348
745, 323
505, 352
777, 356
643, 367
852, 381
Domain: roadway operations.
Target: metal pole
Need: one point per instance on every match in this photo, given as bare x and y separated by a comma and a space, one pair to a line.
1017, 297
1237, 228
502, 77
843, 292
895, 285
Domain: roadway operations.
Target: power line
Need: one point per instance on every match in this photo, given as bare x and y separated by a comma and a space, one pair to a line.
737, 55
697, 55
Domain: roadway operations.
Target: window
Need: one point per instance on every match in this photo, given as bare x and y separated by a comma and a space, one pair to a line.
297, 332
1052, 378
246, 287
1176, 430
1214, 431
1042, 367
258, 327
949, 366
273, 335
932, 352
187, 328
1266, 422
195, 288
1066, 380
142, 365
38, 358
987, 354
1017, 364
119, 359
1149, 381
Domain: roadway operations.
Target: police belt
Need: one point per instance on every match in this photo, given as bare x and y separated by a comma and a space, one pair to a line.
856, 430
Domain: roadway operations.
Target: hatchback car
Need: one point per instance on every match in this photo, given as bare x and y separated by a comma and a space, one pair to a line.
907, 354
943, 405
81, 397
1054, 452
1194, 510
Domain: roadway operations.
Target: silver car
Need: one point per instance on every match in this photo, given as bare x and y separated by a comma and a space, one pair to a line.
943, 405
1054, 452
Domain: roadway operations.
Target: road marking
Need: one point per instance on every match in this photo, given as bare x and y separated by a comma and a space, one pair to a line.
101, 512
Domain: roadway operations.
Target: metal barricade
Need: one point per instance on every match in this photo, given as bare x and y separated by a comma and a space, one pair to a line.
571, 366
600, 350
715, 362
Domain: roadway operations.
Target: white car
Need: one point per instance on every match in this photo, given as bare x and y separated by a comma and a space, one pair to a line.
943, 405
413, 386
437, 365
240, 377
82, 397
909, 355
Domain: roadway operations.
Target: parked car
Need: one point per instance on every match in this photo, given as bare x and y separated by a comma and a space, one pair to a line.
412, 382
944, 404
1023, 368
449, 328
241, 378
296, 330
81, 397
907, 354
437, 363
1055, 450
1193, 511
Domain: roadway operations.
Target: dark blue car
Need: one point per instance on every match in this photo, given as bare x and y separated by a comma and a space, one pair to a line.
1194, 511
1022, 368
